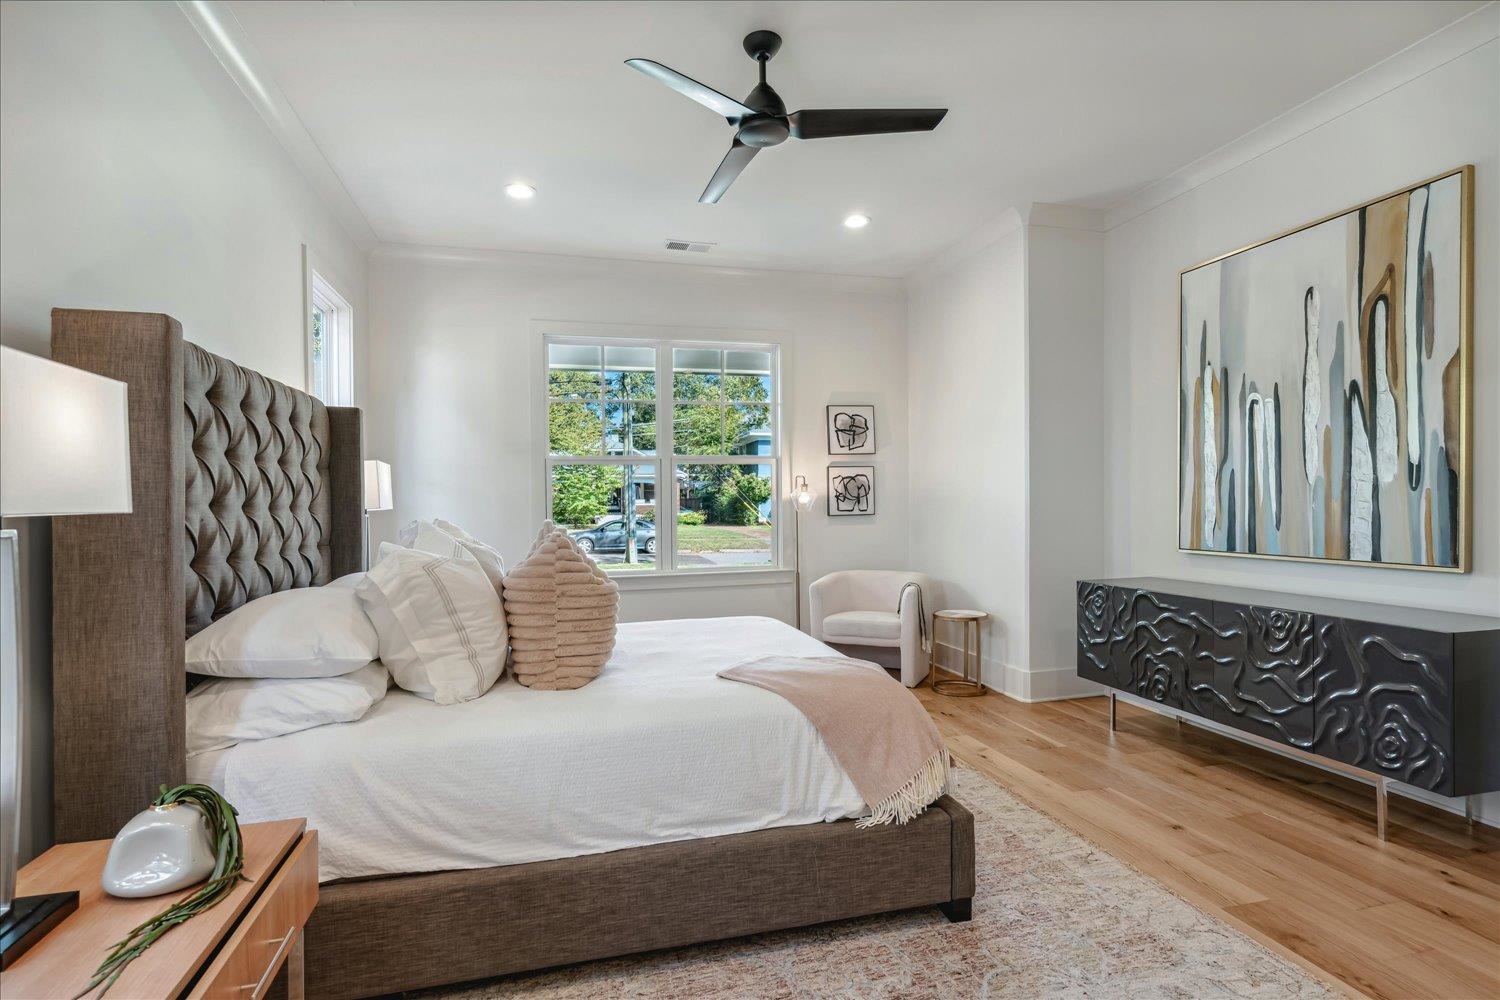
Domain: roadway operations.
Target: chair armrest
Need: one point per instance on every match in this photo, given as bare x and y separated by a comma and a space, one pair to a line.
911, 612
819, 605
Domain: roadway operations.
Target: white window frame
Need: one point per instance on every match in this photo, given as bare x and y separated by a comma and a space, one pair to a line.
665, 458
338, 341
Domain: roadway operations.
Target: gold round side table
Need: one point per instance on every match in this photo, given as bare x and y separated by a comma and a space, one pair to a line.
972, 684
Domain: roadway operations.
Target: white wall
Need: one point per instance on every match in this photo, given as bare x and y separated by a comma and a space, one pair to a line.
137, 177
1067, 535
1446, 116
455, 361
967, 358
1007, 403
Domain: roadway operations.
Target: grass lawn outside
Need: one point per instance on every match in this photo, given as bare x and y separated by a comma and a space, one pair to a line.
722, 537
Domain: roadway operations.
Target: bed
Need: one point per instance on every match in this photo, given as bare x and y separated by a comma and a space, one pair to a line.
560, 840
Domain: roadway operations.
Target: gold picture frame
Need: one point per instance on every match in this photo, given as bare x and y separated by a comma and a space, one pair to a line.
1372, 439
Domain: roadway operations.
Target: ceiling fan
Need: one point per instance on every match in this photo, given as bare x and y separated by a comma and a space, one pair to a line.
760, 120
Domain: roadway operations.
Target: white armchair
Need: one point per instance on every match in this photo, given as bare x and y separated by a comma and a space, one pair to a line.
862, 607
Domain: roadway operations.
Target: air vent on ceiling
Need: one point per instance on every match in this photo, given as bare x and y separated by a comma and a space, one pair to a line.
690, 247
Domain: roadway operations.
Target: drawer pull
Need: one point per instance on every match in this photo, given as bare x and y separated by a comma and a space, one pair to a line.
259, 989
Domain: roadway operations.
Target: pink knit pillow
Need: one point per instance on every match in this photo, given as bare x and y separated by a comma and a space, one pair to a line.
560, 609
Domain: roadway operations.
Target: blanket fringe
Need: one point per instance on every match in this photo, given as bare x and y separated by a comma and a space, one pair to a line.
908, 802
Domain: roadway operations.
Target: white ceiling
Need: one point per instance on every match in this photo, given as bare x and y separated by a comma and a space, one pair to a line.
426, 111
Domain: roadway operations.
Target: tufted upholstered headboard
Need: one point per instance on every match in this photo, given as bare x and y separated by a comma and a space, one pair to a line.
241, 487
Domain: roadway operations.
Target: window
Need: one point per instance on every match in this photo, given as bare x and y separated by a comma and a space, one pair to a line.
663, 456
330, 343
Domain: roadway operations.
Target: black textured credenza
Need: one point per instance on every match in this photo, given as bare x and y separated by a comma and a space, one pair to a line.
1399, 694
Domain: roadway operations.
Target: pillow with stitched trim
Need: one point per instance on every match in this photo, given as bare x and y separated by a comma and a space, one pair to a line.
446, 538
441, 626
562, 610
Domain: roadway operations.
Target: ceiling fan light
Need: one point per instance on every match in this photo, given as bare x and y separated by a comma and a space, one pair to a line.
856, 221
520, 191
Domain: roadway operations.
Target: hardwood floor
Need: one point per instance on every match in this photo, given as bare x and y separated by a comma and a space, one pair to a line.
1283, 851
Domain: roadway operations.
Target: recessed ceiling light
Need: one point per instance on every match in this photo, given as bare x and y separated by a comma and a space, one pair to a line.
856, 221
520, 191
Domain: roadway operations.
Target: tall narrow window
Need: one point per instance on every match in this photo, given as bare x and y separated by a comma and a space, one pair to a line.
663, 456
330, 343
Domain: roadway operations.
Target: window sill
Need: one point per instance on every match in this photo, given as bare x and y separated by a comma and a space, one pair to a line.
699, 579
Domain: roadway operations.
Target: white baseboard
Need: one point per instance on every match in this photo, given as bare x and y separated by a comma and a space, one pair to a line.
1054, 684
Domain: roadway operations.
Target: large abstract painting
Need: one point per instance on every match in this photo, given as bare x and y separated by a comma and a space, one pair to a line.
1324, 387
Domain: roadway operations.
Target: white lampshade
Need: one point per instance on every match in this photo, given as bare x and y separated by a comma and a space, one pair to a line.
64, 439
378, 485
803, 495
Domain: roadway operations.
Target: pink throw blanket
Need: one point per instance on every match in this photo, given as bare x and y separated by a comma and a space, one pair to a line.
876, 729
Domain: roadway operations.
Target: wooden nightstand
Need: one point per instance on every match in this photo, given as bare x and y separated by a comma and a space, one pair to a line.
232, 950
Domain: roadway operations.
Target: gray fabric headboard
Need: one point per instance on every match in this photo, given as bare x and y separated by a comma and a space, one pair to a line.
257, 503
241, 487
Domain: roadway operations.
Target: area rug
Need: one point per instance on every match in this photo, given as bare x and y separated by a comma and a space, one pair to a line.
1054, 917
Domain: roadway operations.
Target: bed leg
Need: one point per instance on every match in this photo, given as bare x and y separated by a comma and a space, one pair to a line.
958, 911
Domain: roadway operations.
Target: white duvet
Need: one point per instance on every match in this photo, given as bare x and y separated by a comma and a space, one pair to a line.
655, 749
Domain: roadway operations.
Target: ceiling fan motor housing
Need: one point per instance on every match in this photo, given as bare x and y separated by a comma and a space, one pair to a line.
768, 127
763, 130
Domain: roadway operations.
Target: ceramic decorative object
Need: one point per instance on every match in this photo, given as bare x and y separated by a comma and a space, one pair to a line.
161, 849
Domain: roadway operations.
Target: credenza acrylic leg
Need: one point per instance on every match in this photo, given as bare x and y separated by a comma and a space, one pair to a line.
1380, 783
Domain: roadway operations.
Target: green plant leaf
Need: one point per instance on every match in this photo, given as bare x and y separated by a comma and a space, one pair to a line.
229, 869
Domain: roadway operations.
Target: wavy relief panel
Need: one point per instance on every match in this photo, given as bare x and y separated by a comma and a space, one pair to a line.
1377, 697
1148, 644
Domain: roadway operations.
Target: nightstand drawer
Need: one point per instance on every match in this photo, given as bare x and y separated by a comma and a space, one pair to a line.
270, 933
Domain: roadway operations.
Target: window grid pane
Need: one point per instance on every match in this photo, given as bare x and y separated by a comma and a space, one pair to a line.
725, 515
720, 411
319, 355
575, 427
605, 507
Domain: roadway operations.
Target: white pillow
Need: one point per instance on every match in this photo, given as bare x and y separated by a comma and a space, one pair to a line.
308, 632
441, 624
487, 555
221, 713
444, 538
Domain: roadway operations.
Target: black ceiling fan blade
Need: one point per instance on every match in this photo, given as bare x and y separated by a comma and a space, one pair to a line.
738, 157
828, 122
688, 87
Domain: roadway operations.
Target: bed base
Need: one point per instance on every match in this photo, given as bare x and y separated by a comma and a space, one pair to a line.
375, 936
127, 588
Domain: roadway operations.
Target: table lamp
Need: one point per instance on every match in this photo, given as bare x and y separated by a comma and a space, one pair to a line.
64, 449
378, 495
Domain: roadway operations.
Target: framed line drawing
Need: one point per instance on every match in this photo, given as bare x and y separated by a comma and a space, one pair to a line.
851, 490
851, 429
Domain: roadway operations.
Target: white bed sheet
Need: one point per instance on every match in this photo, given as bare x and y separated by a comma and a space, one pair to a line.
655, 749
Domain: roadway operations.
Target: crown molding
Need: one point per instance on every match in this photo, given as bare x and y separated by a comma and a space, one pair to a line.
1475, 29
1009, 221
618, 265
226, 39
1050, 216
1038, 214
